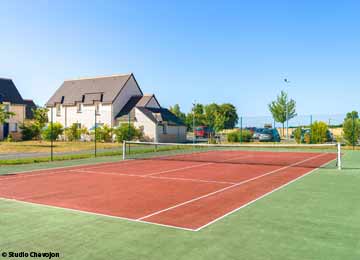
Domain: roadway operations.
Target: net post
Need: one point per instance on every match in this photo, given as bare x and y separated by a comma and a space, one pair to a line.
339, 156
124, 150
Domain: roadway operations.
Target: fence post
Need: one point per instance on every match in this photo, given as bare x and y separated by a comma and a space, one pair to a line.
51, 135
339, 155
124, 150
95, 131
241, 129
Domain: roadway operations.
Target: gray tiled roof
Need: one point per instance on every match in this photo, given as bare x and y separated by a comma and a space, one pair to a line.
9, 92
158, 115
91, 89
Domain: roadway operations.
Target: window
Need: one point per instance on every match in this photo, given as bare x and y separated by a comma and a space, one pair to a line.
14, 127
164, 126
97, 108
58, 110
79, 107
6, 107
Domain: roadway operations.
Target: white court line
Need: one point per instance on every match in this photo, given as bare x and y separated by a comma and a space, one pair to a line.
96, 214
226, 188
153, 177
152, 223
263, 196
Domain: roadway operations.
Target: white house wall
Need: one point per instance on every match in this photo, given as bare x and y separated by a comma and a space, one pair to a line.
129, 90
70, 115
147, 125
153, 103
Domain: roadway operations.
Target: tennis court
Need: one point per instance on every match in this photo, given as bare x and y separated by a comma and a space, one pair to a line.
188, 190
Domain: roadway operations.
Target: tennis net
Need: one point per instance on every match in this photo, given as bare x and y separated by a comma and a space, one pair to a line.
314, 155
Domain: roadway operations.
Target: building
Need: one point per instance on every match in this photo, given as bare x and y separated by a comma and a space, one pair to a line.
13, 102
113, 100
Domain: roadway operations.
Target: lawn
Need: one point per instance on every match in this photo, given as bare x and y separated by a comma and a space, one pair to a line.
316, 217
44, 146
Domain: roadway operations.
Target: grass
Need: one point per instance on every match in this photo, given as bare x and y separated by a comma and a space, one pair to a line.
316, 218
44, 146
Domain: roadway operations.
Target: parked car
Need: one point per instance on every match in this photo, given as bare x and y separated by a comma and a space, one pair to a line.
203, 131
257, 133
269, 135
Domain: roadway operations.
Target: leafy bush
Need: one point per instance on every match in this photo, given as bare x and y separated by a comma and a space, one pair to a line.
30, 131
351, 130
298, 135
319, 132
104, 133
52, 132
237, 136
233, 136
74, 132
127, 132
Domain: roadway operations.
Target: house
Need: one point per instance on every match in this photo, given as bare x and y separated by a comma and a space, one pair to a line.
13, 102
113, 100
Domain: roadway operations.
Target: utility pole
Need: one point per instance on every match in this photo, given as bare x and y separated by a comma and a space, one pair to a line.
194, 138
52, 135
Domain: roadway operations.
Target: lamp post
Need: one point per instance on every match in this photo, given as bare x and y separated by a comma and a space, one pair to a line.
287, 109
194, 138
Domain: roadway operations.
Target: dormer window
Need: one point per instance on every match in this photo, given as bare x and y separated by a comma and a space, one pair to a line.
58, 109
79, 107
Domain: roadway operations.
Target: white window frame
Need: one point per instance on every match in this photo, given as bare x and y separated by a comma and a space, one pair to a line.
58, 109
79, 107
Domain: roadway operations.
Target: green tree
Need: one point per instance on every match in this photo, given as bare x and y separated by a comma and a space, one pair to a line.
41, 116
74, 132
5, 114
104, 133
29, 131
319, 132
353, 114
231, 116
198, 112
127, 132
177, 112
351, 130
298, 135
283, 109
52, 133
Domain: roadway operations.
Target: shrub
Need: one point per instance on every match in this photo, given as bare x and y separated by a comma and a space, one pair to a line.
52, 134
319, 132
127, 132
104, 133
237, 136
298, 135
30, 131
233, 136
351, 131
74, 132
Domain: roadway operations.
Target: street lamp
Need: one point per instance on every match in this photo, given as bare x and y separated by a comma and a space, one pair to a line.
287, 110
194, 104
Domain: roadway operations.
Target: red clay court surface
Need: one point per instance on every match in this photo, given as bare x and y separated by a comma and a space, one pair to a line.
182, 194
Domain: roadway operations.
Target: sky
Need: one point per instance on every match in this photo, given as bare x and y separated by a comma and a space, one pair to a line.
208, 51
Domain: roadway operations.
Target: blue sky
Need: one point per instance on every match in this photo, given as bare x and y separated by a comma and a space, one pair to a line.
209, 51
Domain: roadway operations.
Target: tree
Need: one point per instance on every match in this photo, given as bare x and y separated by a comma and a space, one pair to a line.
41, 116
177, 112
127, 132
319, 132
198, 112
73, 133
4, 114
52, 132
351, 130
283, 109
104, 133
353, 114
231, 116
